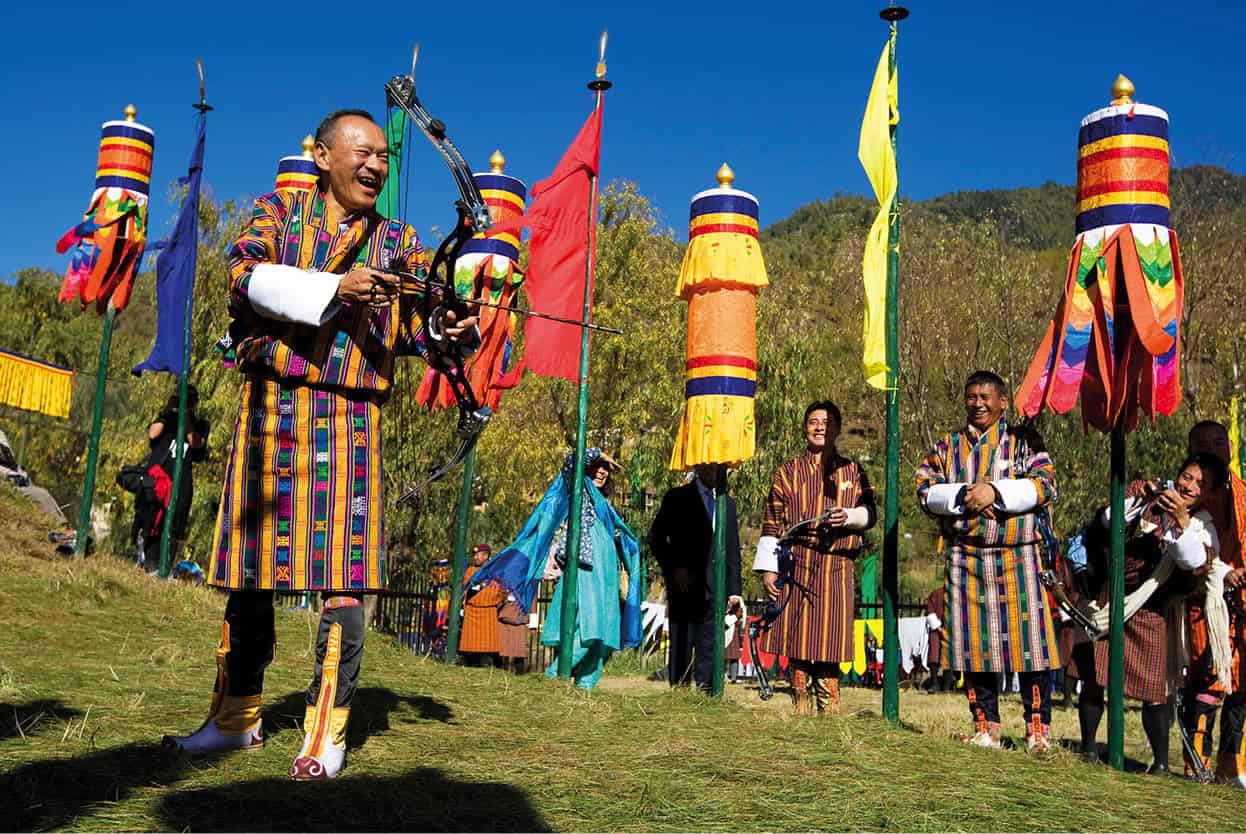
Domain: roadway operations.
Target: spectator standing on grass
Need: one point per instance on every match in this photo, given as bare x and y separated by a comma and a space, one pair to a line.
160, 463
682, 540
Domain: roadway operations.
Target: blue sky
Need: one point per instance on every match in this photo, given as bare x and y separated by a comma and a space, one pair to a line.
990, 93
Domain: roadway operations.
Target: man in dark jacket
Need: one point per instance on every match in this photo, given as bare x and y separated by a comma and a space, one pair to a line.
682, 539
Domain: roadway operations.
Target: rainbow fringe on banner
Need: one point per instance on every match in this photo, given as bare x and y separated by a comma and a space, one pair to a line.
722, 272
35, 386
1124, 245
487, 269
108, 243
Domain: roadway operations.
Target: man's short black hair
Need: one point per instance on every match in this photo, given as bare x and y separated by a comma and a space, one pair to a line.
832, 411
1208, 424
328, 125
1215, 471
987, 378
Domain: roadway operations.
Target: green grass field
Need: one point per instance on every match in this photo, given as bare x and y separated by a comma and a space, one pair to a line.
96, 662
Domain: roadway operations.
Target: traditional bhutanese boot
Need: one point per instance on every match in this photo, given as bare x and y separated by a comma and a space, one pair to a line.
1037, 734
826, 694
986, 734
324, 727
324, 745
233, 722
1038, 739
800, 692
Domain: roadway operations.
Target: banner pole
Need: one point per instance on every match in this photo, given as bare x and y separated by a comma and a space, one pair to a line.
458, 567
93, 442
570, 575
891, 508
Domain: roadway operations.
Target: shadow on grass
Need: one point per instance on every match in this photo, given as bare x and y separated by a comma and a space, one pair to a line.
19, 720
53, 792
423, 799
1131, 765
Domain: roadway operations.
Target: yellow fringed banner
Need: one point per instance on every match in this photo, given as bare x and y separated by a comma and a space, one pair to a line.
722, 272
35, 386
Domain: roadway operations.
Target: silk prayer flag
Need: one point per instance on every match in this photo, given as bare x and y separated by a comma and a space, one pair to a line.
175, 273
558, 256
879, 161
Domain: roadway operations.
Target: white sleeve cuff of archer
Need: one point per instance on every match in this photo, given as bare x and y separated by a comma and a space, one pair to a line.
858, 518
287, 293
1016, 495
767, 558
944, 499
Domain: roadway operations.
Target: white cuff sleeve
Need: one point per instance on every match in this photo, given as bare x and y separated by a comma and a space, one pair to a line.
941, 499
858, 518
1189, 550
767, 558
1016, 495
933, 623
286, 293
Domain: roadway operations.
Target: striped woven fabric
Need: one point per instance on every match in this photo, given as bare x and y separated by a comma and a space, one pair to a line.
302, 502
125, 157
354, 350
1122, 167
481, 632
998, 618
817, 622
297, 172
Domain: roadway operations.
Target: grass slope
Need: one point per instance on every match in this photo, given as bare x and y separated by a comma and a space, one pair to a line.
96, 662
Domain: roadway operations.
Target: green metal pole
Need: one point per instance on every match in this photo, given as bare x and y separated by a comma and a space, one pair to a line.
1116, 623
183, 386
570, 575
891, 506
459, 566
93, 442
720, 581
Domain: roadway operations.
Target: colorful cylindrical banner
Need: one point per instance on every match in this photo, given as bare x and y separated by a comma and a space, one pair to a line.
487, 269
298, 172
108, 243
722, 272
1124, 244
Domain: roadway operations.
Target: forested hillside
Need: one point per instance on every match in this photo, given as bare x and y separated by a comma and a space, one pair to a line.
981, 273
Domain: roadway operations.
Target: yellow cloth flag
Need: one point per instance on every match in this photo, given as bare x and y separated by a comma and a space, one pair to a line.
879, 161
1235, 438
34, 386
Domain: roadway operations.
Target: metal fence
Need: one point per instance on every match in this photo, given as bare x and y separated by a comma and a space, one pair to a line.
408, 611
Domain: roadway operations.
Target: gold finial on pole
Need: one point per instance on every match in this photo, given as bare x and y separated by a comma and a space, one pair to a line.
497, 162
309, 143
130, 112
601, 54
1122, 90
725, 176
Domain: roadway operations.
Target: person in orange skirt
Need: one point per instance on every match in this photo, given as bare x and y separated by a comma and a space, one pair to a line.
481, 639
814, 628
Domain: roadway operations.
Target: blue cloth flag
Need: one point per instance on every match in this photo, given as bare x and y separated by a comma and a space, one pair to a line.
175, 275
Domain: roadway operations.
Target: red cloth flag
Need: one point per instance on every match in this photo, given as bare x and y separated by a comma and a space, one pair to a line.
558, 257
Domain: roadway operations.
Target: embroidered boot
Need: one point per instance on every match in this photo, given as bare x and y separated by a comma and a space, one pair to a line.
1038, 739
802, 703
826, 694
324, 745
324, 726
986, 734
233, 721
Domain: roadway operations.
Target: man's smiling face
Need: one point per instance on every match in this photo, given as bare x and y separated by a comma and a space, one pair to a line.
984, 405
356, 162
